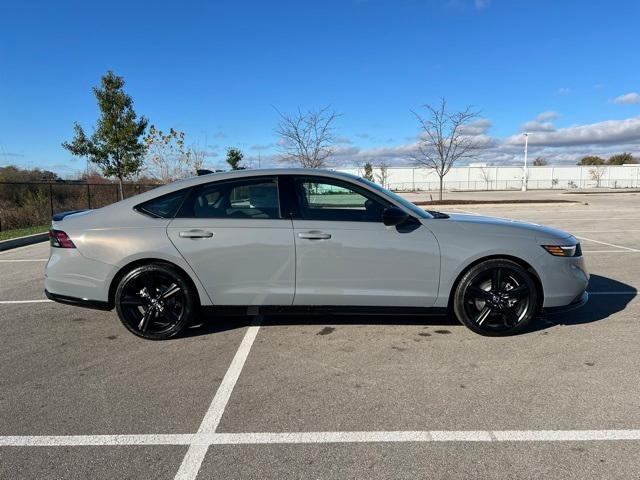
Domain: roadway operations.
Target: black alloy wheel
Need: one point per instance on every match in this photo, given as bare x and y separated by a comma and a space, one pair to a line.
496, 297
155, 302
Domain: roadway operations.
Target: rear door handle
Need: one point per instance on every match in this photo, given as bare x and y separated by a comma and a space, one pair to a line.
196, 234
314, 235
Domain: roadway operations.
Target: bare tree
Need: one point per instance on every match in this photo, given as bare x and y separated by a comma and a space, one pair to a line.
307, 138
166, 158
195, 158
383, 176
442, 140
487, 175
596, 173
540, 162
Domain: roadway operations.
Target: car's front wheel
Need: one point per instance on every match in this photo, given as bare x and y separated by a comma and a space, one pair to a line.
496, 297
155, 301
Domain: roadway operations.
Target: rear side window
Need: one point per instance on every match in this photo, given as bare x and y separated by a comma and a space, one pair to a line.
164, 206
243, 199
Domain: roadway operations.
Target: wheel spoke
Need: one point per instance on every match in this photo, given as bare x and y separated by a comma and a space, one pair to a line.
482, 316
510, 318
149, 313
131, 300
171, 316
496, 279
149, 283
479, 293
517, 292
170, 291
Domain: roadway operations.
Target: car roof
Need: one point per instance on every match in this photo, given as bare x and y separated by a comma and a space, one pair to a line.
232, 175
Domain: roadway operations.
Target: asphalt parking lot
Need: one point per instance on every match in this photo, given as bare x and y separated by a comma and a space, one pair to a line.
332, 397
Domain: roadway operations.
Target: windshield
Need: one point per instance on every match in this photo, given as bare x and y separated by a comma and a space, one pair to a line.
403, 201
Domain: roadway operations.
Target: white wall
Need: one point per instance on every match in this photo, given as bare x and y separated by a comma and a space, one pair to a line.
505, 178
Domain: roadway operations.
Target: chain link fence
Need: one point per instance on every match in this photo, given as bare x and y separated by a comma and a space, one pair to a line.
24, 205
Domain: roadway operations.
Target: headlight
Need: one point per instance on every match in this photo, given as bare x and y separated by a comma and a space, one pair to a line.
564, 250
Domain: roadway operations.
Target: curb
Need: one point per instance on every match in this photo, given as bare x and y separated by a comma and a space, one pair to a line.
23, 241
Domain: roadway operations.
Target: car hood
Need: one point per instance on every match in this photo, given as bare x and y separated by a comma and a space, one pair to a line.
475, 223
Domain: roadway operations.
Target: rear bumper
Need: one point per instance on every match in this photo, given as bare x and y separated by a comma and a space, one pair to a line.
578, 302
78, 302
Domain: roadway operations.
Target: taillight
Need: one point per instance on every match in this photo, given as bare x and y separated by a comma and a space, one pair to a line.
60, 239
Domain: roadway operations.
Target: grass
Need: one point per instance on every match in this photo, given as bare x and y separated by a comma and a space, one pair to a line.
21, 232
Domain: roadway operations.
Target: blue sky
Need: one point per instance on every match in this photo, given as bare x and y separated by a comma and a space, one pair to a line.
216, 70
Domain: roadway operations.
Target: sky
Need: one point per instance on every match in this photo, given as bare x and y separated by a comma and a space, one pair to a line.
567, 72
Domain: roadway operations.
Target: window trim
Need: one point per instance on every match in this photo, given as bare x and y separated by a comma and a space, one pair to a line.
359, 189
251, 179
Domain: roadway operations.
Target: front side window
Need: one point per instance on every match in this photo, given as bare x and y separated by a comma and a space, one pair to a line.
327, 199
247, 198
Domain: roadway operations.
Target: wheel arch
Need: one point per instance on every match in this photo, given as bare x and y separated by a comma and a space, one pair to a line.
523, 263
146, 261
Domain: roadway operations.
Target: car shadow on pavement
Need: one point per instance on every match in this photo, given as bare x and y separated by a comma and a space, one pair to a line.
606, 297
599, 307
212, 324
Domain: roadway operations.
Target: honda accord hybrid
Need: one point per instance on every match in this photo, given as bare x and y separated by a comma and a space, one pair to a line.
305, 241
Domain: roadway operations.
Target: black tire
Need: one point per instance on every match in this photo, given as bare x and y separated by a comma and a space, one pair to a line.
155, 301
496, 298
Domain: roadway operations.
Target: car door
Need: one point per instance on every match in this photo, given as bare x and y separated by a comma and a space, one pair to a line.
345, 255
234, 237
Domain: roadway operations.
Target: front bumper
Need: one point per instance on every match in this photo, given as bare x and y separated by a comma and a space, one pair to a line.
78, 302
579, 301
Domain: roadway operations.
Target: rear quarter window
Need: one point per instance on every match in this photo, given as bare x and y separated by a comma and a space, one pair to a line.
164, 206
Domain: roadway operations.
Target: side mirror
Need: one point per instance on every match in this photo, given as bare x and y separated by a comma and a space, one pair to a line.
393, 216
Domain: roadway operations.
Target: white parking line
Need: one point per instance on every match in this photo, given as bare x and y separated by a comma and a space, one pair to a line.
629, 292
608, 251
27, 260
197, 450
204, 440
44, 300
608, 244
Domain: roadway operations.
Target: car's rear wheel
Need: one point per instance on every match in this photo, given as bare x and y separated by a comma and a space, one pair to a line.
496, 297
155, 301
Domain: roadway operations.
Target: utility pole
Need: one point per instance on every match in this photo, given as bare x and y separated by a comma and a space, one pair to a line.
524, 174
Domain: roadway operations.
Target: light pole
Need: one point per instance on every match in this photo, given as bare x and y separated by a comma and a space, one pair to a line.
524, 174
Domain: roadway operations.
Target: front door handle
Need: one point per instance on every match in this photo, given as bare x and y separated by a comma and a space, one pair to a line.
314, 235
196, 234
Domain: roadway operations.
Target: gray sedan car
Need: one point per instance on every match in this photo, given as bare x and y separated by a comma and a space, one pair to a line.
298, 240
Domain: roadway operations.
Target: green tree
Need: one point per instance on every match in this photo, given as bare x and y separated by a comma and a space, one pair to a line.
368, 172
621, 159
591, 160
234, 157
116, 145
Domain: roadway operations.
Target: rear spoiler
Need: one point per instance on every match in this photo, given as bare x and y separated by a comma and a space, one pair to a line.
59, 216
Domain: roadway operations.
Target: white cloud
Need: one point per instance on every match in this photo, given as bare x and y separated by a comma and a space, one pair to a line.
480, 4
479, 127
546, 116
558, 146
535, 126
607, 132
563, 91
542, 122
627, 99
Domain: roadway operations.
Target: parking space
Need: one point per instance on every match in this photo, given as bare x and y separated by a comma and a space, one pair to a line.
332, 396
